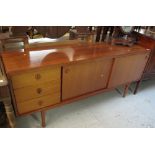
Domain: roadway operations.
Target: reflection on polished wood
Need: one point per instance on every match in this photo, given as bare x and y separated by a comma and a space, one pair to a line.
57, 55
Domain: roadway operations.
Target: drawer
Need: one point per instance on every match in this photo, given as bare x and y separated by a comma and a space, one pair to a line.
35, 77
36, 104
32, 92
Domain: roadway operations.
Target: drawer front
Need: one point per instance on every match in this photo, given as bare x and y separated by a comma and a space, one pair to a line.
36, 104
31, 92
35, 77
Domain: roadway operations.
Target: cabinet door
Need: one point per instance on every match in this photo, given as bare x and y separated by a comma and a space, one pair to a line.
85, 77
127, 69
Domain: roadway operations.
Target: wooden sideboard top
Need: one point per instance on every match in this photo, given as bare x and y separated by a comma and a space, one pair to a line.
15, 61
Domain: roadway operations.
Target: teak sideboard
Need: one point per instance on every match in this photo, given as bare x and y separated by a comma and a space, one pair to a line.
45, 78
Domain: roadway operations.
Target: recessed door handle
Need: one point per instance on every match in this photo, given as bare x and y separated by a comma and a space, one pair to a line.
37, 76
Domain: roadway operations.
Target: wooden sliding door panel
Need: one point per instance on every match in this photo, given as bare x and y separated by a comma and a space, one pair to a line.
85, 77
127, 69
149, 43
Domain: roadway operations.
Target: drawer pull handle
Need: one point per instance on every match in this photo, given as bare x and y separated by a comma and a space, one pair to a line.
39, 90
40, 103
37, 76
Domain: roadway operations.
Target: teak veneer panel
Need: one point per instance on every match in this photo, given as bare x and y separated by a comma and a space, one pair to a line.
85, 77
127, 69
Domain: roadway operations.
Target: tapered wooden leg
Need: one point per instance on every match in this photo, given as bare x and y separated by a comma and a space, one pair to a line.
43, 119
126, 89
9, 112
137, 86
99, 29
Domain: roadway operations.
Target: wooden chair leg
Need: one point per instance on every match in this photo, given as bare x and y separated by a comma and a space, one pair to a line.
26, 43
43, 119
3, 45
126, 89
137, 86
98, 35
9, 112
